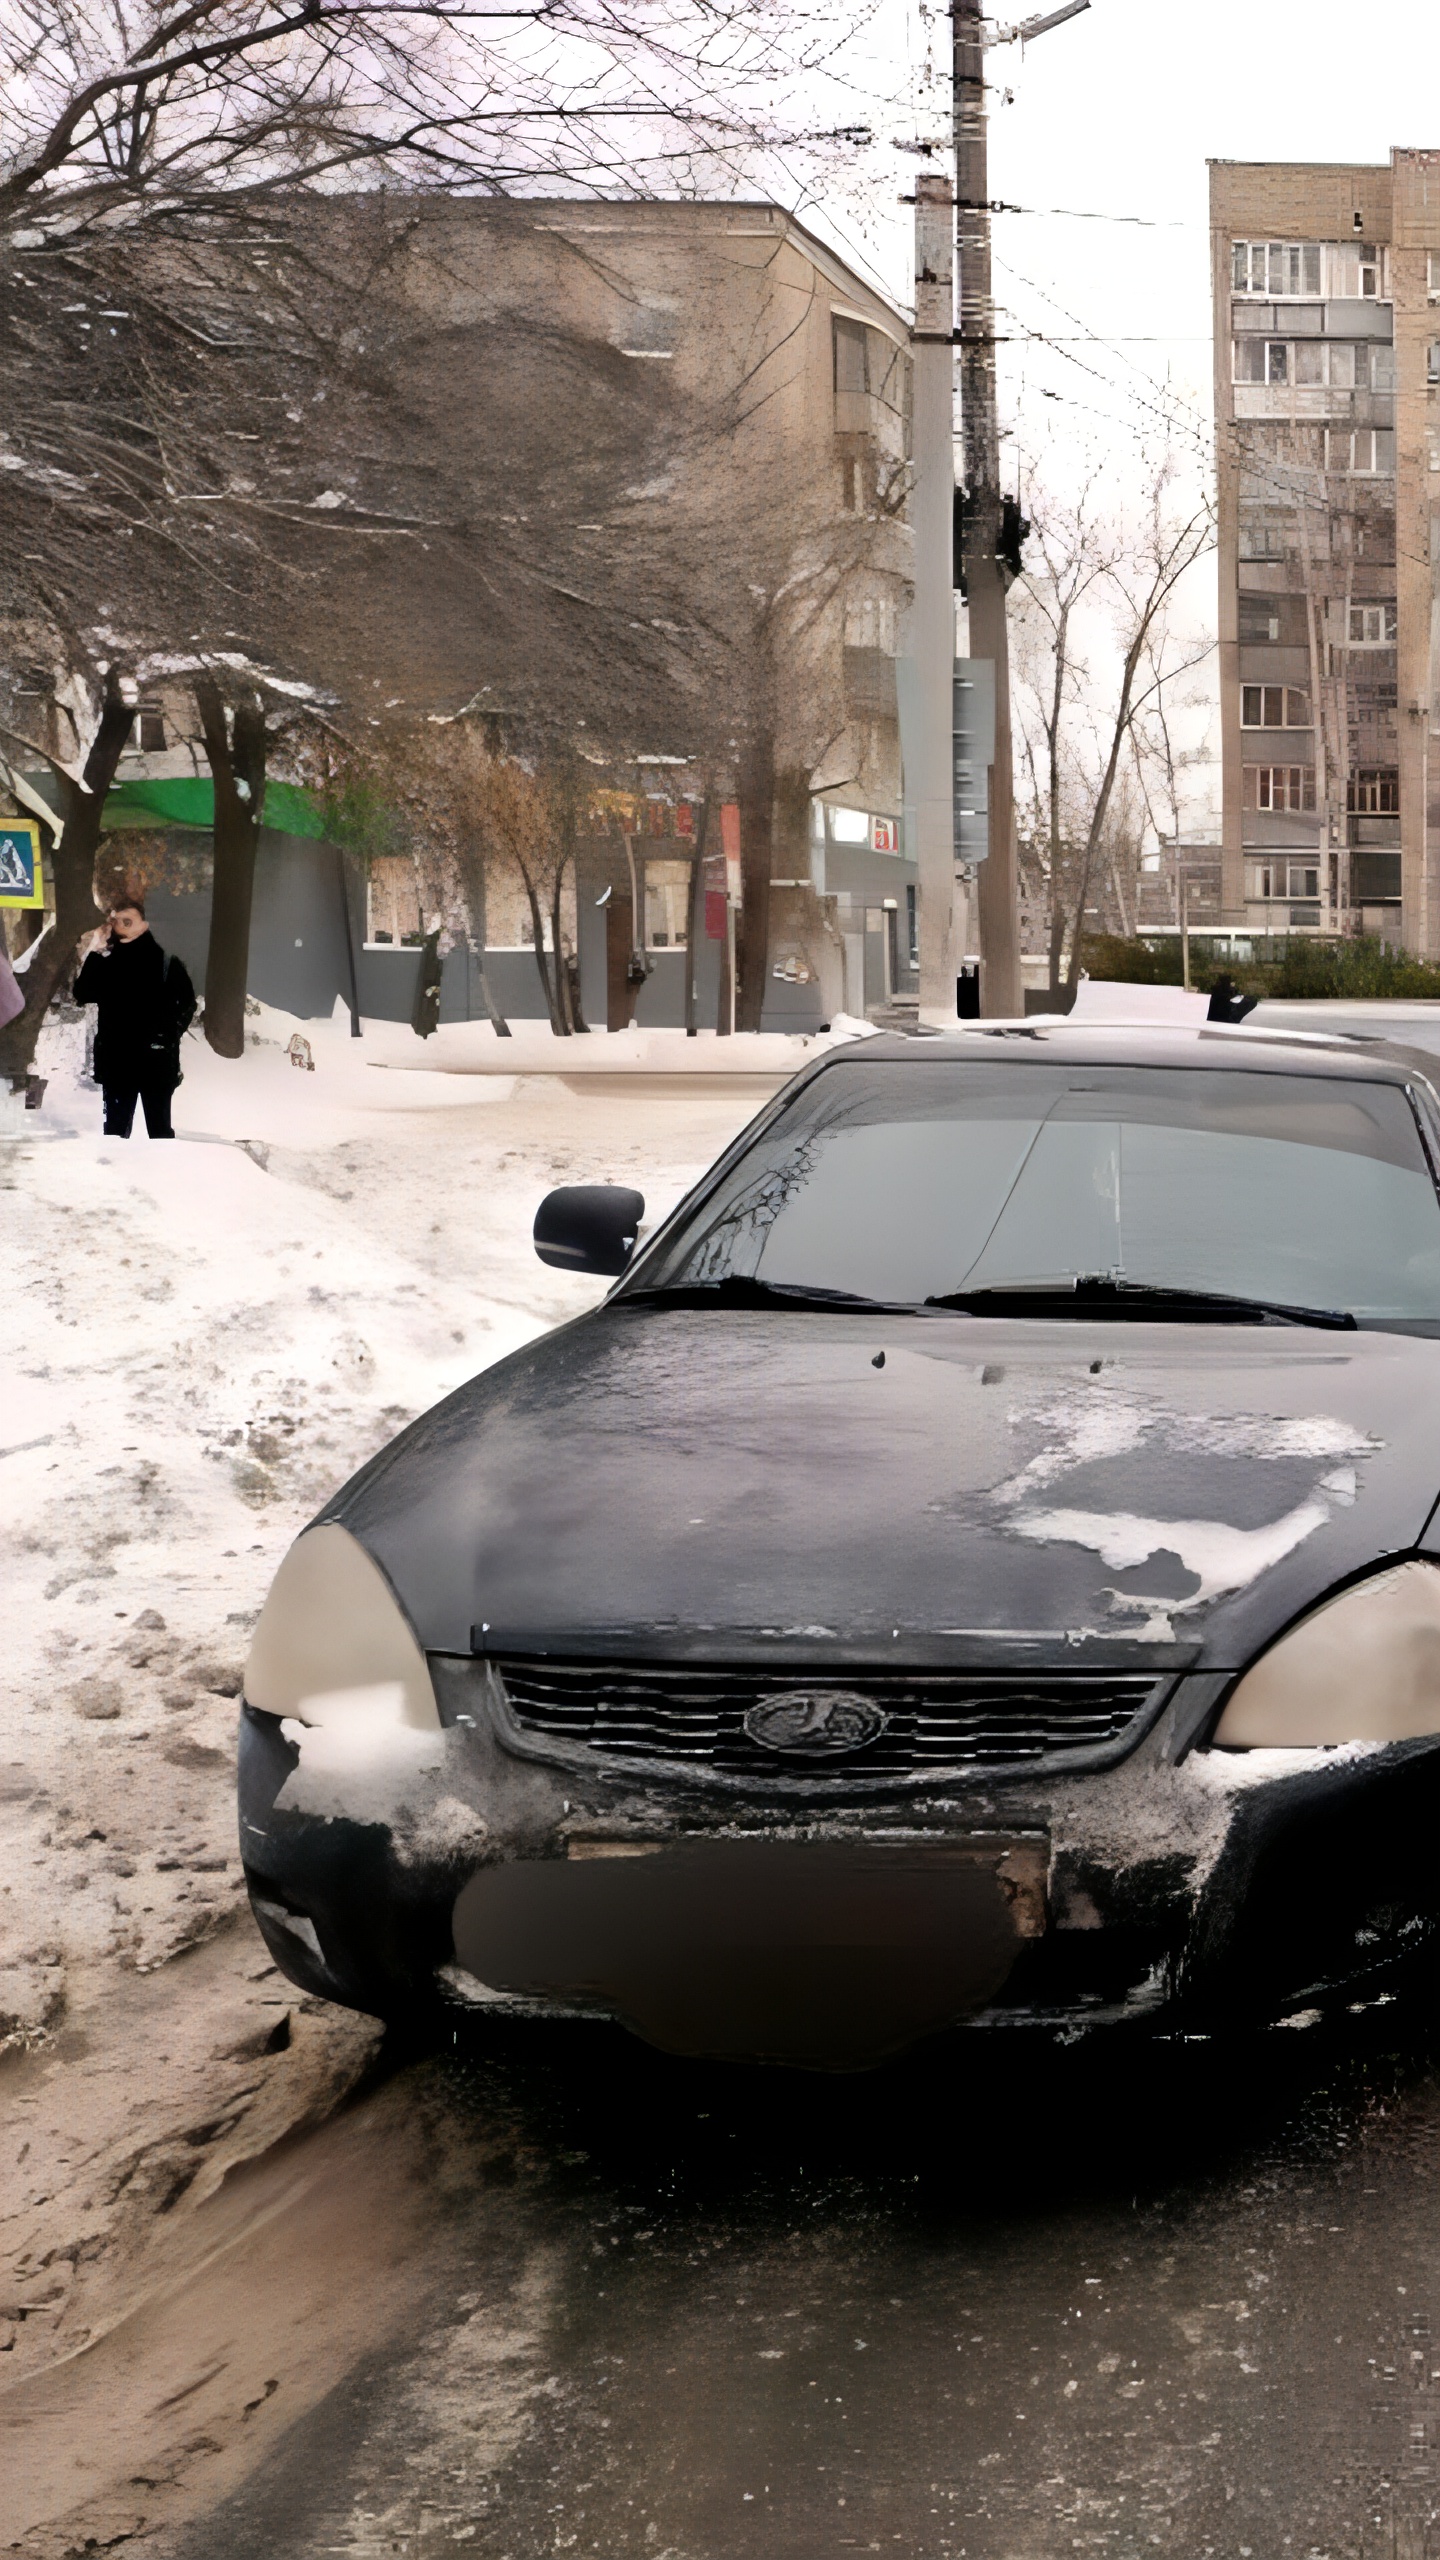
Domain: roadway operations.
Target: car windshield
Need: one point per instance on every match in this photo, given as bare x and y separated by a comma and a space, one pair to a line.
909, 1183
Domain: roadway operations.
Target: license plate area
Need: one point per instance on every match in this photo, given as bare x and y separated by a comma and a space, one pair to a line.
829, 1953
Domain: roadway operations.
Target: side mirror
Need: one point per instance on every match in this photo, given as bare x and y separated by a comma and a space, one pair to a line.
589, 1226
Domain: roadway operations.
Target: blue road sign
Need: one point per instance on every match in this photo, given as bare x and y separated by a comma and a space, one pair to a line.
20, 881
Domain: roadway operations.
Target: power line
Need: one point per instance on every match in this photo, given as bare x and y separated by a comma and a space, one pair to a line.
1240, 449
1075, 213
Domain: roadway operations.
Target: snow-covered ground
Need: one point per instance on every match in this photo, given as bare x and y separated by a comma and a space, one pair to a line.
204, 1339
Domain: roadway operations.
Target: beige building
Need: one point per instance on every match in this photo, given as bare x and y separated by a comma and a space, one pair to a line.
1326, 287
788, 379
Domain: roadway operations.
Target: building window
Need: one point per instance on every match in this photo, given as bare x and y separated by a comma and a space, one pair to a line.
1280, 270
650, 328
1360, 365
1432, 360
392, 899
1341, 364
1267, 537
1288, 787
871, 623
1356, 272
1374, 794
1259, 618
1262, 360
1372, 626
1364, 453
668, 887
1433, 274
852, 355
1279, 878
150, 729
1274, 706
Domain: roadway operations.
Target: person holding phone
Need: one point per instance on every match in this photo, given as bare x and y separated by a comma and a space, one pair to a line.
144, 1003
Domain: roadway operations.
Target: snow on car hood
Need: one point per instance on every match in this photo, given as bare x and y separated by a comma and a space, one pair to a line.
794, 1487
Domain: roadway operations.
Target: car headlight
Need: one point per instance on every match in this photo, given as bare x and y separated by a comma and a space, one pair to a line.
333, 1645
1364, 1667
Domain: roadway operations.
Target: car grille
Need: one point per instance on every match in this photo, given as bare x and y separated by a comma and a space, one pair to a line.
934, 1719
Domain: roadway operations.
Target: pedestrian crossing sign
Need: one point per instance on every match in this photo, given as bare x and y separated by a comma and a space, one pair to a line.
20, 881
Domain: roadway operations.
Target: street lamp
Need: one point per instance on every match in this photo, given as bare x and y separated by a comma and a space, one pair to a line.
1037, 26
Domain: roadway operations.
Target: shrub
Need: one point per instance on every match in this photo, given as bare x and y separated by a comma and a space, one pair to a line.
1349, 971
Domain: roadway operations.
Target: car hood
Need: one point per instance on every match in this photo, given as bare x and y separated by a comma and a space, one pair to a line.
813, 1487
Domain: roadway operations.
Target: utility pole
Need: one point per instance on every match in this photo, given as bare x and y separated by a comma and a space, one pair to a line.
985, 583
931, 652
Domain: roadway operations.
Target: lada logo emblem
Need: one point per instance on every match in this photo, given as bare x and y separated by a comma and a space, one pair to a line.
815, 1722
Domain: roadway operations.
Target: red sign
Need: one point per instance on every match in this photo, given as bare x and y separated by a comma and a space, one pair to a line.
883, 832
684, 819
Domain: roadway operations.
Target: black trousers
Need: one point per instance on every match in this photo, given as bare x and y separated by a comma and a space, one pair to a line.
120, 1101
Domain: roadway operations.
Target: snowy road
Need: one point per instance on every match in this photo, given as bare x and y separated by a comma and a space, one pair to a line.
562, 2295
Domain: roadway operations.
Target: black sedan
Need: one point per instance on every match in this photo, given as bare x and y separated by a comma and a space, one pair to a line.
980, 1565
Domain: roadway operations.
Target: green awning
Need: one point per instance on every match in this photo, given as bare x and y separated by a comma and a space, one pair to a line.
189, 801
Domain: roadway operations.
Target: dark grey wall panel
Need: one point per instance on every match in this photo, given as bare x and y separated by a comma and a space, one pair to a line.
298, 959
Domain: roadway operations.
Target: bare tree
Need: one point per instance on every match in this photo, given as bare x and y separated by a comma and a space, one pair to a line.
284, 590
1099, 583
763, 564
235, 750
1070, 557
473, 819
120, 106
521, 828
73, 848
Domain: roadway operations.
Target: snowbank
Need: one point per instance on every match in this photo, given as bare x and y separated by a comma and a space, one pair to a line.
1112, 1000
477, 1049
211, 1335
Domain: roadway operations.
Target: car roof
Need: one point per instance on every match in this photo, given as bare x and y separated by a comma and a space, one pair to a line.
1059, 1043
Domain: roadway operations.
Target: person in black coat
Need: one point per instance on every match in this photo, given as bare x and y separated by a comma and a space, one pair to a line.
145, 1004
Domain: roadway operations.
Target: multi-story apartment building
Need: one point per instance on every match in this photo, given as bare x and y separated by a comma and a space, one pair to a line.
1326, 285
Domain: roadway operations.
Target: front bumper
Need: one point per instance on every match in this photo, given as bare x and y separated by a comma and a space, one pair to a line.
1194, 1887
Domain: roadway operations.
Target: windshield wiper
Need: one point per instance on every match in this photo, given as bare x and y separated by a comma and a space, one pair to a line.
1098, 1295
739, 1290
1101, 1295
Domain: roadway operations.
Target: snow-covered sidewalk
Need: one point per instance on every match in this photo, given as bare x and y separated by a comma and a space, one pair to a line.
531, 1048
206, 1338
